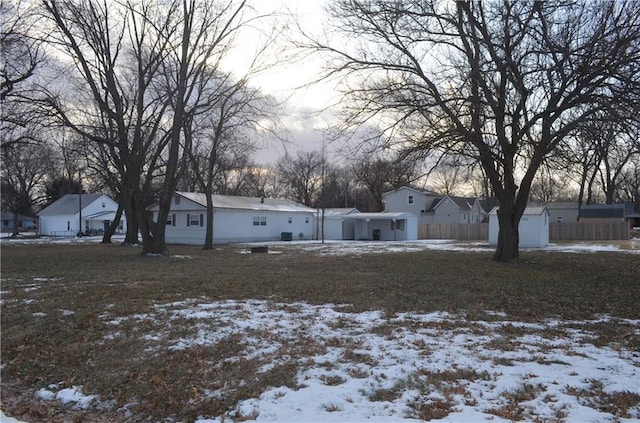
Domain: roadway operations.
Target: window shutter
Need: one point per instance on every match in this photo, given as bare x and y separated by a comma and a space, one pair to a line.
173, 221
201, 219
188, 220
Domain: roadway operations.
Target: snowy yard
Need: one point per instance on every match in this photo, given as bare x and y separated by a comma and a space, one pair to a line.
375, 365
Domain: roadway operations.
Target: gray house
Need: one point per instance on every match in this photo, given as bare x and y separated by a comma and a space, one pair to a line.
560, 211
8, 220
431, 207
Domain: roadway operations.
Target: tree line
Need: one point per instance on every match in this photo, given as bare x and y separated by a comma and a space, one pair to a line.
513, 101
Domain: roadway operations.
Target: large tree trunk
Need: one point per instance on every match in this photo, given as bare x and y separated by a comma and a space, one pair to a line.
508, 235
208, 239
133, 225
16, 223
106, 239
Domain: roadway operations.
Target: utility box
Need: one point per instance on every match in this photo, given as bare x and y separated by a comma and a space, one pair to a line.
286, 236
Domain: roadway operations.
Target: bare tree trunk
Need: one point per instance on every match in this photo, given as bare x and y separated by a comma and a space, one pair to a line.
208, 239
106, 239
508, 234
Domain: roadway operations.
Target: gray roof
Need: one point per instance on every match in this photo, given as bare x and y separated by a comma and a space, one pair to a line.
68, 204
246, 203
418, 190
331, 212
461, 202
378, 216
601, 211
531, 210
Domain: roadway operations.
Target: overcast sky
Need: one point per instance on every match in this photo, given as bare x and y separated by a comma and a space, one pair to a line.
301, 115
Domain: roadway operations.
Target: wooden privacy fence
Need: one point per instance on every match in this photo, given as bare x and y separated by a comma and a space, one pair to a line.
581, 231
573, 231
459, 231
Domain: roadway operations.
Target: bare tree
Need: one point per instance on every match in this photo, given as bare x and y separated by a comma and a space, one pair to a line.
302, 175
24, 167
501, 82
22, 56
379, 175
144, 66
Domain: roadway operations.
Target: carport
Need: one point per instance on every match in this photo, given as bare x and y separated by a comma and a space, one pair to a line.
384, 226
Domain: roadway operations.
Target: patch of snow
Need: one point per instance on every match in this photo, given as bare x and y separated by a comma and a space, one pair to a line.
370, 352
67, 395
6, 419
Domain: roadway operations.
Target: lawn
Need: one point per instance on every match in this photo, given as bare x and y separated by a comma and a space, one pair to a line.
96, 332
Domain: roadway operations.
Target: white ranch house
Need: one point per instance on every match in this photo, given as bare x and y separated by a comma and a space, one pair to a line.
236, 219
533, 229
62, 217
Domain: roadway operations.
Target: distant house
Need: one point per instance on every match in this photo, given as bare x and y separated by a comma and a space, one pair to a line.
236, 219
632, 216
592, 213
431, 207
610, 213
62, 217
411, 200
533, 229
563, 211
452, 209
336, 227
8, 220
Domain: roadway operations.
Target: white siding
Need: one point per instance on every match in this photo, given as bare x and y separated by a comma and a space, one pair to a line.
447, 212
398, 201
533, 230
57, 225
233, 225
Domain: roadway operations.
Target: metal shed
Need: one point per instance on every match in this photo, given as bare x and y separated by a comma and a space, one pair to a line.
533, 228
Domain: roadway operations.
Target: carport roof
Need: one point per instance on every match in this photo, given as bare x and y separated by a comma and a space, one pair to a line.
378, 216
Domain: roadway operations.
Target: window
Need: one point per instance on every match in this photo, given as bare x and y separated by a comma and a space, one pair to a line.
290, 219
410, 199
306, 219
103, 205
259, 221
171, 220
176, 200
559, 219
195, 220
398, 224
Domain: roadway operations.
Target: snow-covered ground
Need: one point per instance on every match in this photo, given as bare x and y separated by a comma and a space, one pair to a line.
398, 368
404, 367
374, 247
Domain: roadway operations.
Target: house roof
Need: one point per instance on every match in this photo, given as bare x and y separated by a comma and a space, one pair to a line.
530, 211
562, 205
246, 203
461, 202
331, 212
68, 204
7, 215
418, 190
378, 216
601, 211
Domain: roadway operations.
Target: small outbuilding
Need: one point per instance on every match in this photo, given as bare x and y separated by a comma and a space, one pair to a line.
533, 229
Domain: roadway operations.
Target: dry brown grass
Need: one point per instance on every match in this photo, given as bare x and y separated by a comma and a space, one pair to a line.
57, 302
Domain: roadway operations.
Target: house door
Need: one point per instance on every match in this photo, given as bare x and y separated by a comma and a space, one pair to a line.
105, 224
